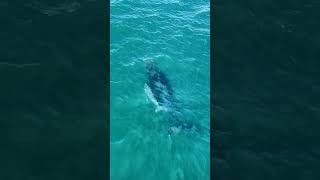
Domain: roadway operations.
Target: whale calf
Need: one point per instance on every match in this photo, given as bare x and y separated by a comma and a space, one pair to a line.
159, 91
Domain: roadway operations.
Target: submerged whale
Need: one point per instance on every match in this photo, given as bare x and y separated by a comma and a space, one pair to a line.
158, 88
159, 91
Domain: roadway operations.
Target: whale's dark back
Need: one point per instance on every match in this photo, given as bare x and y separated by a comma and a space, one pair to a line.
163, 94
159, 85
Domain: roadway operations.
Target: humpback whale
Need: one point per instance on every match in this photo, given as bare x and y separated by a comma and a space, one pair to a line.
160, 92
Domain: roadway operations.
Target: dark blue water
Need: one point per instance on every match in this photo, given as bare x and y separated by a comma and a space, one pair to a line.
53, 102
266, 90
53, 95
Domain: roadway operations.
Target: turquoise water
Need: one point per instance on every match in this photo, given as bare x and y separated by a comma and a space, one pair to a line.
175, 35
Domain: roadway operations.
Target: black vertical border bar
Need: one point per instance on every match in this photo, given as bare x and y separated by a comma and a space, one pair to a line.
211, 89
108, 85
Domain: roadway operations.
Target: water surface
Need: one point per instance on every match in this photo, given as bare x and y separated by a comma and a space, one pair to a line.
175, 35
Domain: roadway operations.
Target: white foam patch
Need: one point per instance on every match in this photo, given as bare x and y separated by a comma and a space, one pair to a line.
120, 141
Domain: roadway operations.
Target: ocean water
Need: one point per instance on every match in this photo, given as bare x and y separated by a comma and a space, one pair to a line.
53, 101
266, 90
54, 87
176, 36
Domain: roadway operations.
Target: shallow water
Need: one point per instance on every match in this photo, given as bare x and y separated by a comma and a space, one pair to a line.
175, 35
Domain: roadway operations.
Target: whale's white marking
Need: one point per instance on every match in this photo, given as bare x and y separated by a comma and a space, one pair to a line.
151, 97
